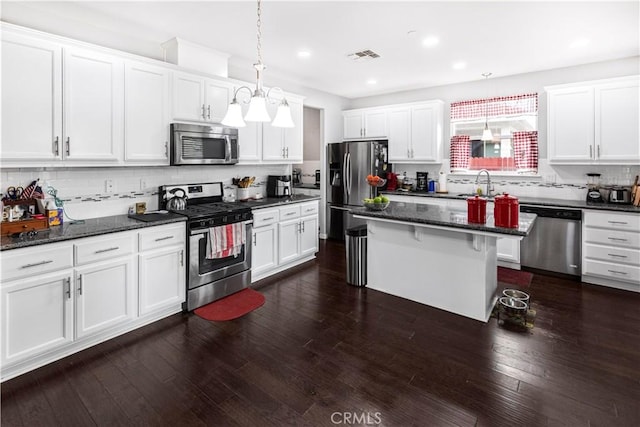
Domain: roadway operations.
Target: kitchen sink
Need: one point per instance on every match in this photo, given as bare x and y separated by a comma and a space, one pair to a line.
473, 194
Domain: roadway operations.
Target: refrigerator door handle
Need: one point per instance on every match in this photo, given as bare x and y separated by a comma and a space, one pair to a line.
339, 208
349, 175
344, 177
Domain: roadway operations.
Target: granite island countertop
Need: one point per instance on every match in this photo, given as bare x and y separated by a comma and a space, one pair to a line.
419, 213
268, 202
85, 228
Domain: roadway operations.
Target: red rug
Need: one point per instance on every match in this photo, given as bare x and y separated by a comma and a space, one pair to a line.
231, 307
514, 277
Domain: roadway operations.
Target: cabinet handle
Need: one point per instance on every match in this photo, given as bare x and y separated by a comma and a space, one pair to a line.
208, 111
617, 272
267, 219
80, 284
99, 251
56, 145
166, 149
159, 239
182, 258
412, 153
598, 150
309, 210
289, 213
283, 152
254, 240
302, 223
617, 239
68, 145
591, 151
287, 152
203, 115
35, 264
68, 287
618, 222
617, 256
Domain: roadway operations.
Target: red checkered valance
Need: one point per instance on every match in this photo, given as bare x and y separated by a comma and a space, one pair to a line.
494, 107
525, 150
460, 152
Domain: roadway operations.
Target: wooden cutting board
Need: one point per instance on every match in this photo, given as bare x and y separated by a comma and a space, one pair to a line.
635, 192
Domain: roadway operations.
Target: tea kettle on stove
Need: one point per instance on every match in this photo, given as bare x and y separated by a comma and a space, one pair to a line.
177, 202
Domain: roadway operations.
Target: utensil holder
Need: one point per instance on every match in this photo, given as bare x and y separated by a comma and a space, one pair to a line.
243, 193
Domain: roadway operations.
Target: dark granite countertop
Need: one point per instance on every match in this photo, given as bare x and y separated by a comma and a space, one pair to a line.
577, 204
268, 202
444, 216
86, 228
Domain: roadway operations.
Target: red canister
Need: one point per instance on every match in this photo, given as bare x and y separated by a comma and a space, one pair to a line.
476, 210
506, 210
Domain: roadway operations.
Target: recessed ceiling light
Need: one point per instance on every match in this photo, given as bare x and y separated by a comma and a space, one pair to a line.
430, 41
582, 42
304, 54
372, 82
460, 65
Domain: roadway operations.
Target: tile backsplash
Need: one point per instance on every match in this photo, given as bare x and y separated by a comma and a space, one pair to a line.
85, 194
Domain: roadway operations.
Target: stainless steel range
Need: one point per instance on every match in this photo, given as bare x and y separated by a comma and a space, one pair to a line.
211, 278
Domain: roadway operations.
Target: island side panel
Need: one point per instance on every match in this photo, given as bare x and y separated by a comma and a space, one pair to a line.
436, 267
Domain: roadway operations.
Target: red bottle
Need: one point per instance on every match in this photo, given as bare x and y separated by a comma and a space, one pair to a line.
476, 210
506, 210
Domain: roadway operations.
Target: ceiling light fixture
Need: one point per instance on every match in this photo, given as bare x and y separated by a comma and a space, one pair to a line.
258, 102
582, 42
460, 65
486, 133
372, 81
304, 54
430, 41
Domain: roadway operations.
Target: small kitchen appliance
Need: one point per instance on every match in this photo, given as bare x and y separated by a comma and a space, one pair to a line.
422, 179
506, 211
297, 176
593, 188
203, 145
317, 177
619, 195
476, 210
279, 186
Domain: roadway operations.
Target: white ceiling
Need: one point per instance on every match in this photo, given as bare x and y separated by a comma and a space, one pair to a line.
504, 38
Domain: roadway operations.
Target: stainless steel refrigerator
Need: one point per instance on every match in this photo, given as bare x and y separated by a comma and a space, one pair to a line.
349, 163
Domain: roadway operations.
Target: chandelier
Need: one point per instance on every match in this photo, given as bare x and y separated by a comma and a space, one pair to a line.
258, 103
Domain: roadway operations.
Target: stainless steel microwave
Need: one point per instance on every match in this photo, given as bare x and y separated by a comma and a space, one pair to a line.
203, 145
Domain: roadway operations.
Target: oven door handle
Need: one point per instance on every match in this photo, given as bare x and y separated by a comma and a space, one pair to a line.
206, 230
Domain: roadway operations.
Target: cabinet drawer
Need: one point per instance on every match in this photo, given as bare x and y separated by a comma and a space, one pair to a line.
625, 273
262, 217
612, 254
161, 236
289, 212
309, 208
32, 261
616, 221
612, 237
104, 247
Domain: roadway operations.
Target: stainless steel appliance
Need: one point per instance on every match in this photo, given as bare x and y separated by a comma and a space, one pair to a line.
211, 279
203, 145
422, 180
554, 243
297, 176
349, 163
279, 186
619, 195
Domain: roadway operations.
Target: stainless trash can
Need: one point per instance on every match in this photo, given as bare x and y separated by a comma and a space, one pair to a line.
356, 250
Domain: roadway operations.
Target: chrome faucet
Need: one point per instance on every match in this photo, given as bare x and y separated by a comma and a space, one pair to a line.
488, 192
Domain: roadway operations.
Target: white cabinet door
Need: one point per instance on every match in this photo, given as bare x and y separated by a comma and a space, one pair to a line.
105, 295
93, 106
289, 241
309, 236
31, 99
250, 136
353, 125
217, 97
508, 250
188, 97
617, 136
264, 255
146, 108
425, 132
399, 134
375, 123
293, 137
273, 148
161, 279
570, 121
37, 315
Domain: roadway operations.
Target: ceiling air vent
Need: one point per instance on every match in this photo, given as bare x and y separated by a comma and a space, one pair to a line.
363, 55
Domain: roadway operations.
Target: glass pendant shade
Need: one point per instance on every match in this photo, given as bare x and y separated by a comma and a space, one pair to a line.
233, 118
283, 116
257, 110
486, 134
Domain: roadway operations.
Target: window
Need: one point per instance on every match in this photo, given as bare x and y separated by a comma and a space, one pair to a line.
513, 121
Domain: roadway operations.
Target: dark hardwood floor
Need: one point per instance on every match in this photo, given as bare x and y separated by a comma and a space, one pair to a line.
322, 353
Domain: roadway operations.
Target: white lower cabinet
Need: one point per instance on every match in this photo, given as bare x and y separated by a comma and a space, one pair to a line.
60, 298
283, 237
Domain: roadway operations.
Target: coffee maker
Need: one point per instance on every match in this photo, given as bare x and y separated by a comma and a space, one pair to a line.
279, 186
422, 181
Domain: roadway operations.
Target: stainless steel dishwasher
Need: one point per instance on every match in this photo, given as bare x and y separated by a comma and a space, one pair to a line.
554, 243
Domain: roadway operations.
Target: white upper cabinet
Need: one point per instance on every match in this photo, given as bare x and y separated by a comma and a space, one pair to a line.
370, 123
284, 145
594, 122
199, 99
400, 133
31, 99
93, 100
415, 133
146, 108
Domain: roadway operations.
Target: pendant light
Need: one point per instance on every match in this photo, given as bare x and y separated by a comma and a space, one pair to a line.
486, 133
258, 102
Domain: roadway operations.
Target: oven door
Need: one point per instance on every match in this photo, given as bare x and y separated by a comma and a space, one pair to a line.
194, 148
203, 270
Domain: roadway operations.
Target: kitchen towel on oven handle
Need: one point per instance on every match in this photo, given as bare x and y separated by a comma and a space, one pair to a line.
225, 240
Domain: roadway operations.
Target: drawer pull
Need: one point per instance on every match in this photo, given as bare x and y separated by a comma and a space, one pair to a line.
35, 264
115, 248
309, 210
268, 219
159, 239
617, 239
617, 256
618, 222
616, 272
290, 213
80, 284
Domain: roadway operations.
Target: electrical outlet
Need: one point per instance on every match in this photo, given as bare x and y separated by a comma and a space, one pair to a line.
108, 186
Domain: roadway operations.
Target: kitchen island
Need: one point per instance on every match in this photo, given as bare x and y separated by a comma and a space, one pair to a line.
432, 255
